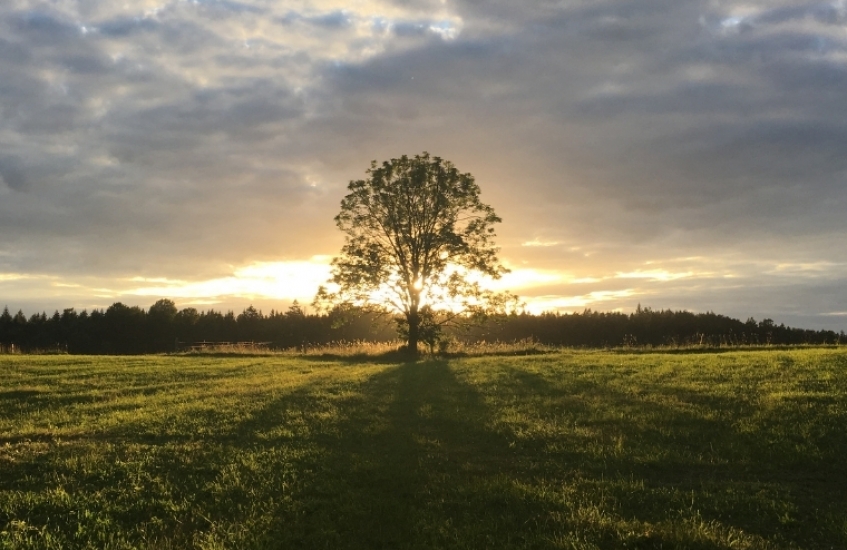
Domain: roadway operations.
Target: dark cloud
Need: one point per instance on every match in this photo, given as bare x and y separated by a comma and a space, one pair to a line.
124, 27
13, 53
12, 172
334, 20
44, 25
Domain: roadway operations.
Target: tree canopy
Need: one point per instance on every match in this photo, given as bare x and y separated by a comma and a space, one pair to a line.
418, 243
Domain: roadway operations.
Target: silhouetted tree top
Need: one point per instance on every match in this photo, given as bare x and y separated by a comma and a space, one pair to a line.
164, 310
295, 310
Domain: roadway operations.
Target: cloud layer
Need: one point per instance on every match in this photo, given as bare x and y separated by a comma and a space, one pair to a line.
680, 154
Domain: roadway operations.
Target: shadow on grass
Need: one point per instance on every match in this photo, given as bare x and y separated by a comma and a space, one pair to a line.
19, 396
410, 463
390, 357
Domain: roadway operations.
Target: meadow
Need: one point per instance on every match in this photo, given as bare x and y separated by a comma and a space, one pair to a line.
570, 449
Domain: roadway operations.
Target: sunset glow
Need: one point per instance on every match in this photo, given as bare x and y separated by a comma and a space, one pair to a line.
293, 280
572, 304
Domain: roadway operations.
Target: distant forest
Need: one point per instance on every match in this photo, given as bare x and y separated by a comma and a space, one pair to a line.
122, 329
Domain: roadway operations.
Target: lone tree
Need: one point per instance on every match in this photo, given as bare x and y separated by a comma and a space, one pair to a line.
418, 242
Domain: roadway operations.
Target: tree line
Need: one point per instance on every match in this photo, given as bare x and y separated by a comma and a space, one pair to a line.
122, 329
648, 327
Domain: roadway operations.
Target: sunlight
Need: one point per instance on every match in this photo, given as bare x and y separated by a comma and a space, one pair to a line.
286, 280
540, 243
299, 280
541, 304
654, 274
515, 281
522, 278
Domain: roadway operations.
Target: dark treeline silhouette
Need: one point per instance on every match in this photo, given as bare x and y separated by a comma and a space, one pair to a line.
122, 329
647, 327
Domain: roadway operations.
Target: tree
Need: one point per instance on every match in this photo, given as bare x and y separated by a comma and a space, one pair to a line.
123, 329
161, 322
163, 311
418, 241
5, 328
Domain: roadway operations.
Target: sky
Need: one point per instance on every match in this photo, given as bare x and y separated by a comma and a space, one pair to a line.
677, 154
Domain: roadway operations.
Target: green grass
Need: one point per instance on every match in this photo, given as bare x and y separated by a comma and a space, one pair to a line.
563, 450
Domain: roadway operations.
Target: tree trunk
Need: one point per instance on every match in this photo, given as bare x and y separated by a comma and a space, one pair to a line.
414, 323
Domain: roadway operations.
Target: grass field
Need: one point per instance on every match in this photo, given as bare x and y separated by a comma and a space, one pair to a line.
563, 450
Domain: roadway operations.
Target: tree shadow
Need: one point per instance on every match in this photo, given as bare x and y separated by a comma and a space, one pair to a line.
390, 357
410, 463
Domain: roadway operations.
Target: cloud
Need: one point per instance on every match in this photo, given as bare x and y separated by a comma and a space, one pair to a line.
570, 304
536, 242
293, 280
12, 172
654, 275
185, 140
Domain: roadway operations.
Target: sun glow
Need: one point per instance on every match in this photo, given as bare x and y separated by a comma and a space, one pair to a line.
538, 289
287, 280
435, 292
654, 275
553, 303
300, 279
515, 281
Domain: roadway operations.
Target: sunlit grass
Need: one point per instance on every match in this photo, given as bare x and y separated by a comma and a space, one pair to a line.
574, 449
